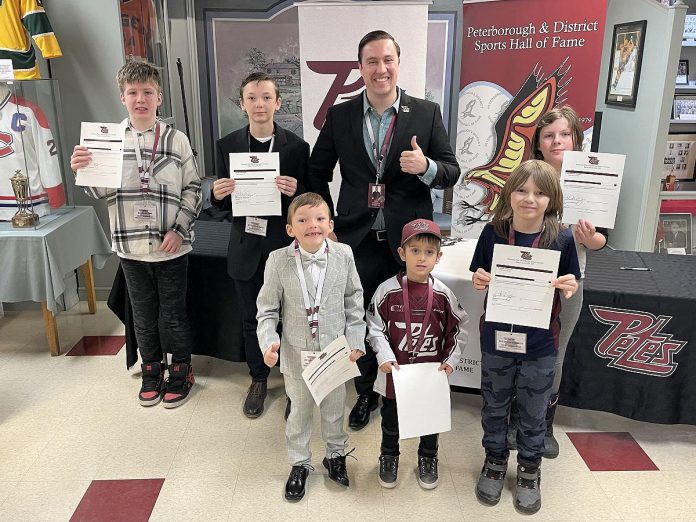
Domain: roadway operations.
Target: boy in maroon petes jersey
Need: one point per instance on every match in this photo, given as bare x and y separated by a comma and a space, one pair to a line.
435, 319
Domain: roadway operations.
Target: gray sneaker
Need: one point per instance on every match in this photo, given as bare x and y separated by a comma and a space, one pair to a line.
388, 470
528, 490
491, 481
428, 477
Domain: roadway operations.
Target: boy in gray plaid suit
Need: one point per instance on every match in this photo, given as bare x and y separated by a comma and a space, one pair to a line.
310, 274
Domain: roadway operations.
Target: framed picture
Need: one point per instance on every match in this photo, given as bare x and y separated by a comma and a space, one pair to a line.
626, 58
690, 27
680, 157
683, 73
685, 107
673, 231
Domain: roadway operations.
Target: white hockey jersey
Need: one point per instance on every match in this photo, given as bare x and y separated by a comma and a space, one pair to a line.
27, 144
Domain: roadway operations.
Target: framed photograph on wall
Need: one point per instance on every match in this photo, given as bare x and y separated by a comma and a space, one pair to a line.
673, 232
685, 107
680, 157
626, 59
683, 73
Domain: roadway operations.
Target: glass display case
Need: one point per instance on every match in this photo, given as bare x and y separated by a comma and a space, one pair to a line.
32, 176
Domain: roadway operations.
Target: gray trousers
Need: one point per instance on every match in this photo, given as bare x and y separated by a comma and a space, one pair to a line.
502, 378
298, 429
570, 313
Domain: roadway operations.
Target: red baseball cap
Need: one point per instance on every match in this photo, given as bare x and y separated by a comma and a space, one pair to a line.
419, 226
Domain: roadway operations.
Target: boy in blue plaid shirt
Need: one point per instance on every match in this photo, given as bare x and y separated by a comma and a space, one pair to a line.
151, 217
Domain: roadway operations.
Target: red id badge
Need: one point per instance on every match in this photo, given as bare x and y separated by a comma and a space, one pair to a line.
375, 195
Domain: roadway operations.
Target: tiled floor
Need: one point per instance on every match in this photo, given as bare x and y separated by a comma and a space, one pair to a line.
75, 445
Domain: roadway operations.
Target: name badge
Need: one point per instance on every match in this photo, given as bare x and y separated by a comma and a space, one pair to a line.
375, 195
145, 211
307, 357
513, 342
256, 226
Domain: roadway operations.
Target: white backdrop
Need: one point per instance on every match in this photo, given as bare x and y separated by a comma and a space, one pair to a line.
330, 33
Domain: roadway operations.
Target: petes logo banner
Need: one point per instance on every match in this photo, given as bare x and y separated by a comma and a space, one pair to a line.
329, 37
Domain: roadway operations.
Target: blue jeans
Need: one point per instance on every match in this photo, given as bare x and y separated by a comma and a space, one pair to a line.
157, 293
530, 381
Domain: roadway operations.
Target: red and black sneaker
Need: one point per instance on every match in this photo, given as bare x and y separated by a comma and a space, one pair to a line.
153, 384
178, 385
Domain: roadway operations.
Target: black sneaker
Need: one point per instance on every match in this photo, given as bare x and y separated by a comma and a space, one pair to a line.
528, 489
153, 384
388, 470
178, 385
427, 472
491, 481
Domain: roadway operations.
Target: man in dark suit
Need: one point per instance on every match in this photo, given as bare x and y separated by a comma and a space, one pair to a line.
392, 149
253, 238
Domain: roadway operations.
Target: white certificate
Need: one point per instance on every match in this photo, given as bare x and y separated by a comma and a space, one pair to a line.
330, 369
422, 400
105, 142
591, 183
255, 192
520, 291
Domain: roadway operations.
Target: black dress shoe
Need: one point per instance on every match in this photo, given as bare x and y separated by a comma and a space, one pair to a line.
253, 405
337, 470
288, 403
295, 486
360, 414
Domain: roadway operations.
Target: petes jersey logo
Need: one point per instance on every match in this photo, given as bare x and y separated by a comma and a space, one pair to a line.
636, 343
429, 345
6, 140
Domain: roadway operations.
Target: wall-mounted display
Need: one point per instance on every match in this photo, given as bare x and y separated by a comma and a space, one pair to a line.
685, 107
683, 73
626, 59
690, 27
680, 157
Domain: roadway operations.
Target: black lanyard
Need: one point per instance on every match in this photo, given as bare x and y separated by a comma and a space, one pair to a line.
145, 171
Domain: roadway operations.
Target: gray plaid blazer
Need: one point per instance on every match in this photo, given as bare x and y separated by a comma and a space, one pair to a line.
280, 299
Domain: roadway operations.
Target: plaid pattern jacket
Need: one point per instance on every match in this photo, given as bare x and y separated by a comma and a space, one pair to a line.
175, 189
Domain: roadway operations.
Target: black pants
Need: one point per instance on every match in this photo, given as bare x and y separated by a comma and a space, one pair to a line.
248, 291
157, 293
375, 264
390, 433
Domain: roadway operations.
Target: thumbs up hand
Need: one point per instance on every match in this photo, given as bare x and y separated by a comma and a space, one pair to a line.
270, 356
413, 161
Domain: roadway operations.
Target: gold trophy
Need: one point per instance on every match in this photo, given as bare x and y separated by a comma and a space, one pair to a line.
24, 218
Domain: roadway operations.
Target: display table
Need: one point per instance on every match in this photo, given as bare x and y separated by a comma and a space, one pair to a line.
453, 270
35, 262
632, 352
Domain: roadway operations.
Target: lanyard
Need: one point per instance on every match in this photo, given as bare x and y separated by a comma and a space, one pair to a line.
312, 311
414, 350
535, 243
146, 171
270, 148
379, 157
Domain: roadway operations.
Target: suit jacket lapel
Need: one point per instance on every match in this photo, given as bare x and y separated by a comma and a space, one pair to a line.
400, 140
357, 119
333, 263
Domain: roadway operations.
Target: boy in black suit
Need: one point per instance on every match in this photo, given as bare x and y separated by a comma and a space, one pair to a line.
253, 238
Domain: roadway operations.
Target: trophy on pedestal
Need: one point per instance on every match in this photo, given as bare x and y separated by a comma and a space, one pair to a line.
24, 218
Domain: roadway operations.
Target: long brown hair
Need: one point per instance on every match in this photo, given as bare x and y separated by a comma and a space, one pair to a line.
547, 119
545, 178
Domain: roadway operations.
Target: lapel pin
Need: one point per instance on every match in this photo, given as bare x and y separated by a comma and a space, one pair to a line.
405, 108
